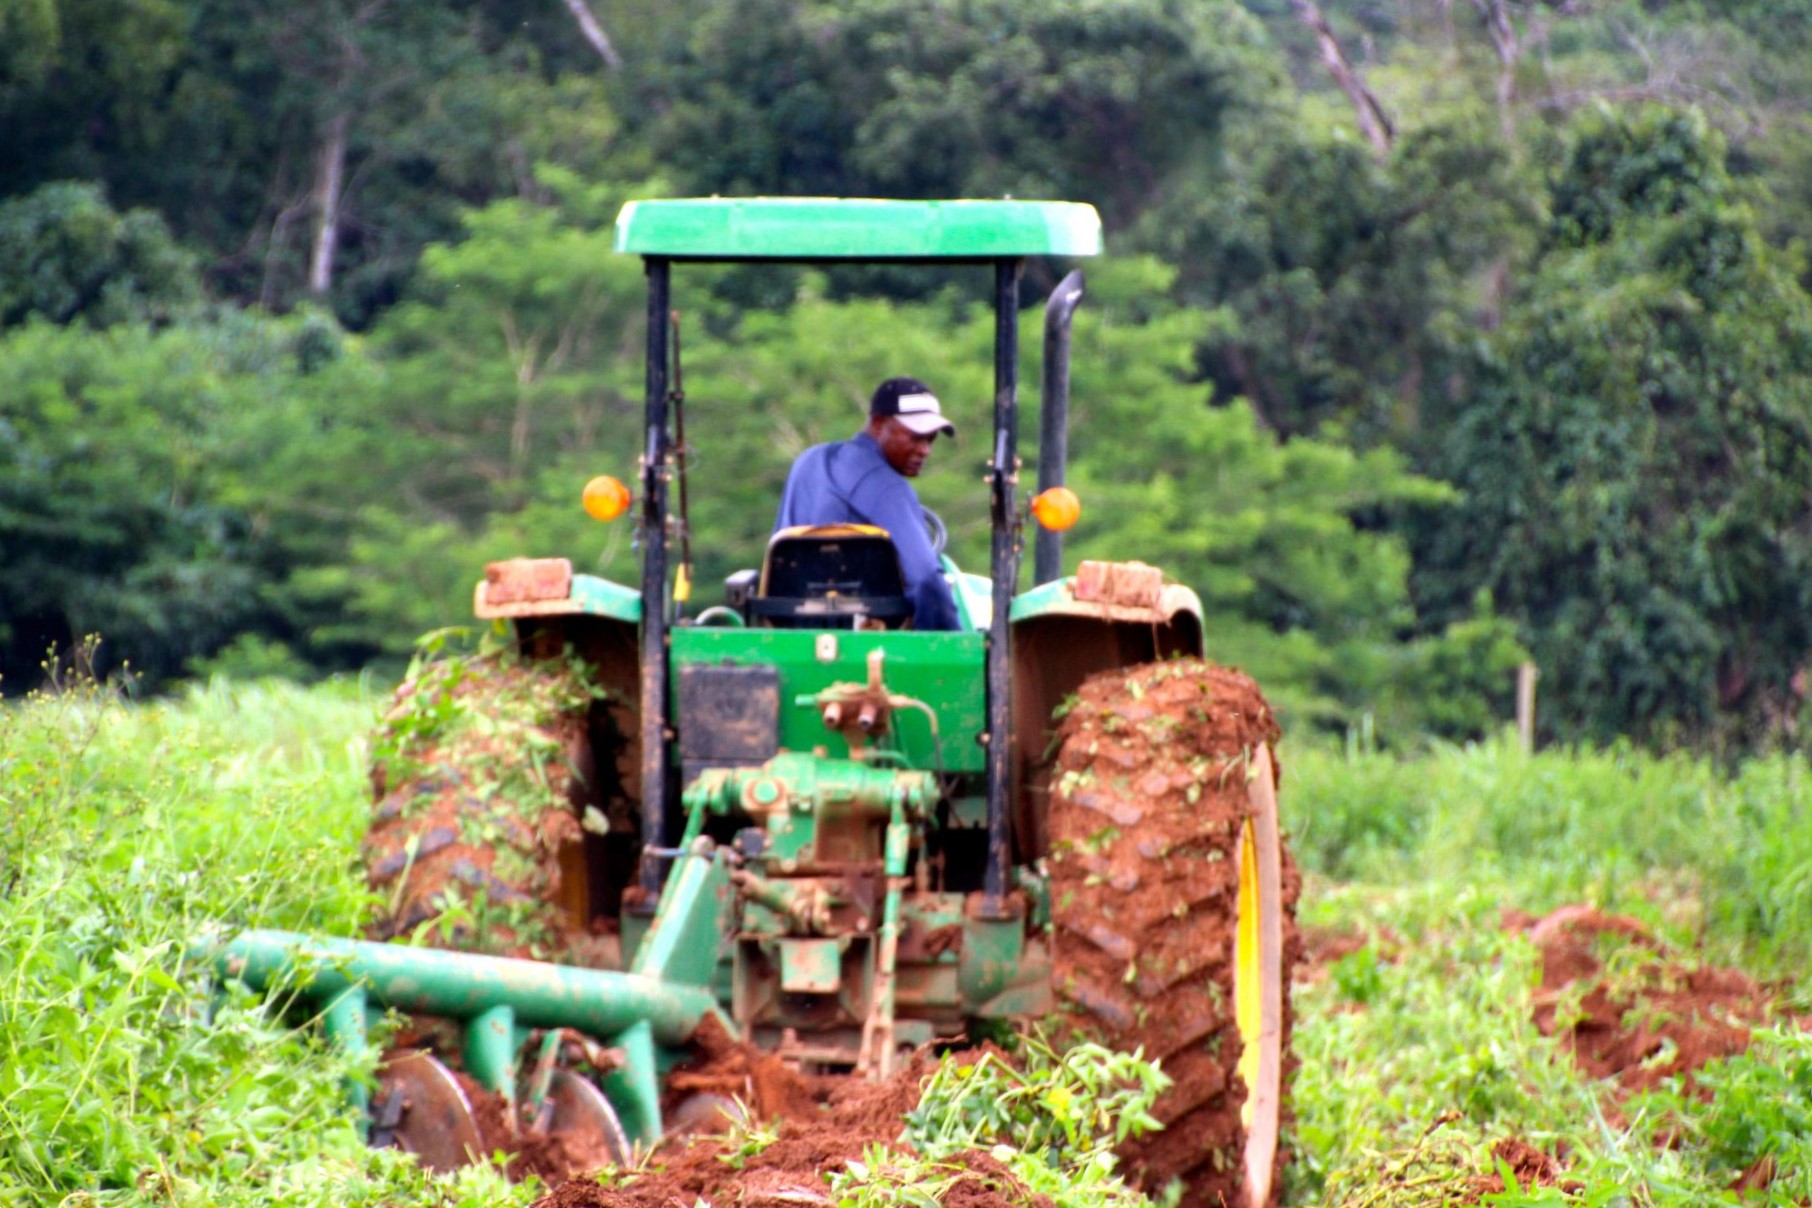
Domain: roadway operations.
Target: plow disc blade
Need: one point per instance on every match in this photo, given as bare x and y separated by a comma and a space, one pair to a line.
421, 1109
705, 1115
579, 1110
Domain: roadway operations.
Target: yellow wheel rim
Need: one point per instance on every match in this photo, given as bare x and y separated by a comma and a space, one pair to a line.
1258, 987
1246, 978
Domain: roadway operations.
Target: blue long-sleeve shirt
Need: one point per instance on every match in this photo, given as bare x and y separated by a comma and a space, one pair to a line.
850, 482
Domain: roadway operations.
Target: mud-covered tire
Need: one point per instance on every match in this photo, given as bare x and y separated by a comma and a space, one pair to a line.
483, 771
1157, 803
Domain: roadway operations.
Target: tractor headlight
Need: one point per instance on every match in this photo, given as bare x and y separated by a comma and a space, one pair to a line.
606, 498
1057, 508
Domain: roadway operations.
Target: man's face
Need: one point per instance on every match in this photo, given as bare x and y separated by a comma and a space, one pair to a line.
904, 449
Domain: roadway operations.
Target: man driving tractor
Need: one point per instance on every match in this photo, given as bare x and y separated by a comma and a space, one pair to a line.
862, 480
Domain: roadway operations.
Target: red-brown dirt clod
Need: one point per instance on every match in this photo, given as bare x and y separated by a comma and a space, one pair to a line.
1628, 1009
820, 1125
1531, 1167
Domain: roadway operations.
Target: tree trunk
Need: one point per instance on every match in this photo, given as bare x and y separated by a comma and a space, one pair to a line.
1254, 391
1496, 15
1373, 122
330, 174
594, 33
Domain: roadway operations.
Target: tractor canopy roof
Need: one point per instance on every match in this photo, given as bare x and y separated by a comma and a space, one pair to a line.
835, 228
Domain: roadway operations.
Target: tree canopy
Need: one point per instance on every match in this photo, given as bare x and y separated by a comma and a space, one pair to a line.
1431, 337
1637, 457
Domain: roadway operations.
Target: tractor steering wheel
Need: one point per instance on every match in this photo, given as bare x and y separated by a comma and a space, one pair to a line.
934, 528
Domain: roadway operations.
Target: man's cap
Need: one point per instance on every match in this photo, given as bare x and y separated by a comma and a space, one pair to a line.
912, 402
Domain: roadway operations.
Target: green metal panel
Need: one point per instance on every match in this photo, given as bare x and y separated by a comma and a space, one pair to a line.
593, 597
990, 955
602, 598
810, 966
945, 670
1045, 598
825, 228
974, 597
969, 810
690, 923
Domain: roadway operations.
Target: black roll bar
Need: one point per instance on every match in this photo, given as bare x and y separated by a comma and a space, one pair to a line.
1003, 476
654, 583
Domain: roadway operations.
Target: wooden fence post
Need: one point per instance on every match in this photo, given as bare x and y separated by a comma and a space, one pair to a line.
1526, 675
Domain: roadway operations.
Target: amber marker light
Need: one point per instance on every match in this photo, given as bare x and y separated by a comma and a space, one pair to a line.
1057, 508
606, 498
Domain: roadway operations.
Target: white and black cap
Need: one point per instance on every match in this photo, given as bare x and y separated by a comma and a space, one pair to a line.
912, 403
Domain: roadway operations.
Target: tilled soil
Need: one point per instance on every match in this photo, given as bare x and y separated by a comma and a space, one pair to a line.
1148, 801
1631, 1011
791, 1170
552, 1157
1628, 1009
762, 1082
819, 1126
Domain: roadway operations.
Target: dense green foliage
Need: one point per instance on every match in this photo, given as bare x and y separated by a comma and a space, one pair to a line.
1636, 458
305, 314
143, 495
66, 255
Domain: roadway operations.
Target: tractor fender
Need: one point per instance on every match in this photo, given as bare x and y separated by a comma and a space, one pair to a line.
1107, 616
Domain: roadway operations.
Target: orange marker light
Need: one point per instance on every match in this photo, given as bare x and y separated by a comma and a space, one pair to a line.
606, 498
1057, 509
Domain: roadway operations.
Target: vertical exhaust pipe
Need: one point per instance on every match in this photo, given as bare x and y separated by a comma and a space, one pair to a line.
1054, 418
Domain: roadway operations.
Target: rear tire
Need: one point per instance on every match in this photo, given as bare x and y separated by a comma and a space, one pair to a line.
1173, 900
483, 774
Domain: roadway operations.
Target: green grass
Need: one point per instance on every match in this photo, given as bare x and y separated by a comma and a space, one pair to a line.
126, 834
127, 831
1709, 856
1417, 1049
1421, 1042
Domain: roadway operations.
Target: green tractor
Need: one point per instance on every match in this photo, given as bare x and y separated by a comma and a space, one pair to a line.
837, 838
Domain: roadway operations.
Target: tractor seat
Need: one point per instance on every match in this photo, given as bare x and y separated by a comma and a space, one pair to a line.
831, 576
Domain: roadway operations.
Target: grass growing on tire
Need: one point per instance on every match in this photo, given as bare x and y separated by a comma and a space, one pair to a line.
479, 779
